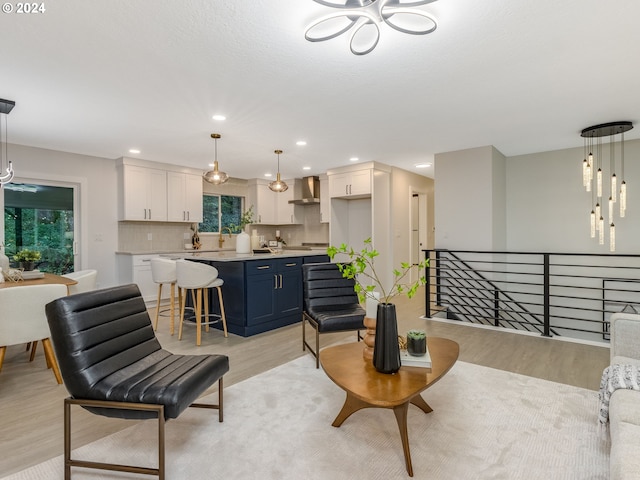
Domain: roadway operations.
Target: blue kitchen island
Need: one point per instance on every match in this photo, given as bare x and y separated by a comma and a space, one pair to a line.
261, 291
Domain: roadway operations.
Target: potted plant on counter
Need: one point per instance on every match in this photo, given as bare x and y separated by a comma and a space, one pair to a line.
26, 259
243, 240
360, 266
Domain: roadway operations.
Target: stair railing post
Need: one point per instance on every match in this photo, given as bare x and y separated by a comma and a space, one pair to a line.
427, 293
546, 275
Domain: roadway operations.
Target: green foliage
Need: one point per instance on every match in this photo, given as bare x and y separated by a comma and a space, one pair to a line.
220, 211
27, 255
361, 268
245, 219
416, 334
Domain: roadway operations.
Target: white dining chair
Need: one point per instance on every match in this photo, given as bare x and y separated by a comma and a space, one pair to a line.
87, 280
23, 319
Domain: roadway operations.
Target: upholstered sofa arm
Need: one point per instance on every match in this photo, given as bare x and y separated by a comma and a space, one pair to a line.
625, 336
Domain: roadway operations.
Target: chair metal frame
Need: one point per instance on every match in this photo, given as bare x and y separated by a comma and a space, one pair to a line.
159, 409
316, 353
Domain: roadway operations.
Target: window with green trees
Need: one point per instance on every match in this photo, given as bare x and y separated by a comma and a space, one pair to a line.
220, 211
40, 217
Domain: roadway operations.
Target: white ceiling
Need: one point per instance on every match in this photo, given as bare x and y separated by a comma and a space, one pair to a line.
101, 77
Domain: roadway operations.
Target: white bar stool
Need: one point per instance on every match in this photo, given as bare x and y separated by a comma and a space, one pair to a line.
163, 271
199, 277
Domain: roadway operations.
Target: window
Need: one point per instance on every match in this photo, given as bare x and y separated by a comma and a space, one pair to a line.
220, 211
41, 217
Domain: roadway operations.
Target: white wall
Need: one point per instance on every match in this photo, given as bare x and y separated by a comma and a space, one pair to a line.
535, 202
98, 209
403, 185
469, 200
548, 208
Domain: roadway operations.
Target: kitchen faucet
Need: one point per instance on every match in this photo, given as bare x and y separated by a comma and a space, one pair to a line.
221, 238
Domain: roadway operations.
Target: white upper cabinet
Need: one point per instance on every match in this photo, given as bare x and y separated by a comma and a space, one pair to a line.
184, 196
287, 213
144, 194
271, 208
263, 201
350, 184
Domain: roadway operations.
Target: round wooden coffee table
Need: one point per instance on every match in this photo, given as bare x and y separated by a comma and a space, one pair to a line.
367, 388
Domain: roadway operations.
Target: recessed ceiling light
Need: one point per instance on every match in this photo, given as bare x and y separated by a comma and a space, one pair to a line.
306, 168
354, 159
134, 150
422, 165
268, 175
219, 117
211, 164
301, 143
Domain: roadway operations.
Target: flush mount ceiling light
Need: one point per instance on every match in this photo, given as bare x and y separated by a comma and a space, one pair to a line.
278, 186
215, 176
593, 183
364, 18
5, 108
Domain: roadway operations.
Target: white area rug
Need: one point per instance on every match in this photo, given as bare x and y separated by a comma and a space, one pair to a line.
486, 424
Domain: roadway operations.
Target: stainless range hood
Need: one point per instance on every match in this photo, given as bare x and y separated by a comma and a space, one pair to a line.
310, 192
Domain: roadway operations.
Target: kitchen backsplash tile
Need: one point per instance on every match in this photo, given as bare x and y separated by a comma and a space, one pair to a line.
147, 236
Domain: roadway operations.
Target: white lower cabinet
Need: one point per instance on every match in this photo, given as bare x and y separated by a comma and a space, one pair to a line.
137, 269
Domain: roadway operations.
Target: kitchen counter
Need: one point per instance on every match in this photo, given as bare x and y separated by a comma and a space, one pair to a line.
232, 256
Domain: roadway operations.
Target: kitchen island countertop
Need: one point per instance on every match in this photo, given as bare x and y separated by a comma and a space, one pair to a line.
231, 255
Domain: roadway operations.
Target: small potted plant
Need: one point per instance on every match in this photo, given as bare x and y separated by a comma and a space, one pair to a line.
26, 259
416, 343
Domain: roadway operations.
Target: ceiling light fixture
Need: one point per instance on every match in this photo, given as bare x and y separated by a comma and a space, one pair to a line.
365, 17
593, 161
134, 150
5, 108
278, 186
301, 143
219, 118
215, 176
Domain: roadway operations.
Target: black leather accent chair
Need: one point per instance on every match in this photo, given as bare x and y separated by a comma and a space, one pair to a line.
330, 303
113, 365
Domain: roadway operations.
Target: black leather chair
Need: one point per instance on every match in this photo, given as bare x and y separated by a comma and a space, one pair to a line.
330, 303
113, 365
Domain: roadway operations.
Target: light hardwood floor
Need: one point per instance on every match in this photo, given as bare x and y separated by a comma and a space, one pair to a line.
31, 401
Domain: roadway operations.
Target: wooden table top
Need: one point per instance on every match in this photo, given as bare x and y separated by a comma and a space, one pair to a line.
347, 368
48, 279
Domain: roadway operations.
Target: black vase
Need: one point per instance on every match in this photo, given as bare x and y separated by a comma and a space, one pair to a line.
386, 351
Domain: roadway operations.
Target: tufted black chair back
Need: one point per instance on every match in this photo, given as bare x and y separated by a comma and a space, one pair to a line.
97, 334
330, 302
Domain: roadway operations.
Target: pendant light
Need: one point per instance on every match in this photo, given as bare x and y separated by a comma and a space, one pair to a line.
215, 176
5, 108
278, 186
616, 184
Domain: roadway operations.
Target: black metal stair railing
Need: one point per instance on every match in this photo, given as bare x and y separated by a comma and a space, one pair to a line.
548, 293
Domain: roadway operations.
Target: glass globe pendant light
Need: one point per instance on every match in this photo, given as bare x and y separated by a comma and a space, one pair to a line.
215, 176
278, 186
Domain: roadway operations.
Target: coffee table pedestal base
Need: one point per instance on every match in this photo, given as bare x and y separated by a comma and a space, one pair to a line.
352, 404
